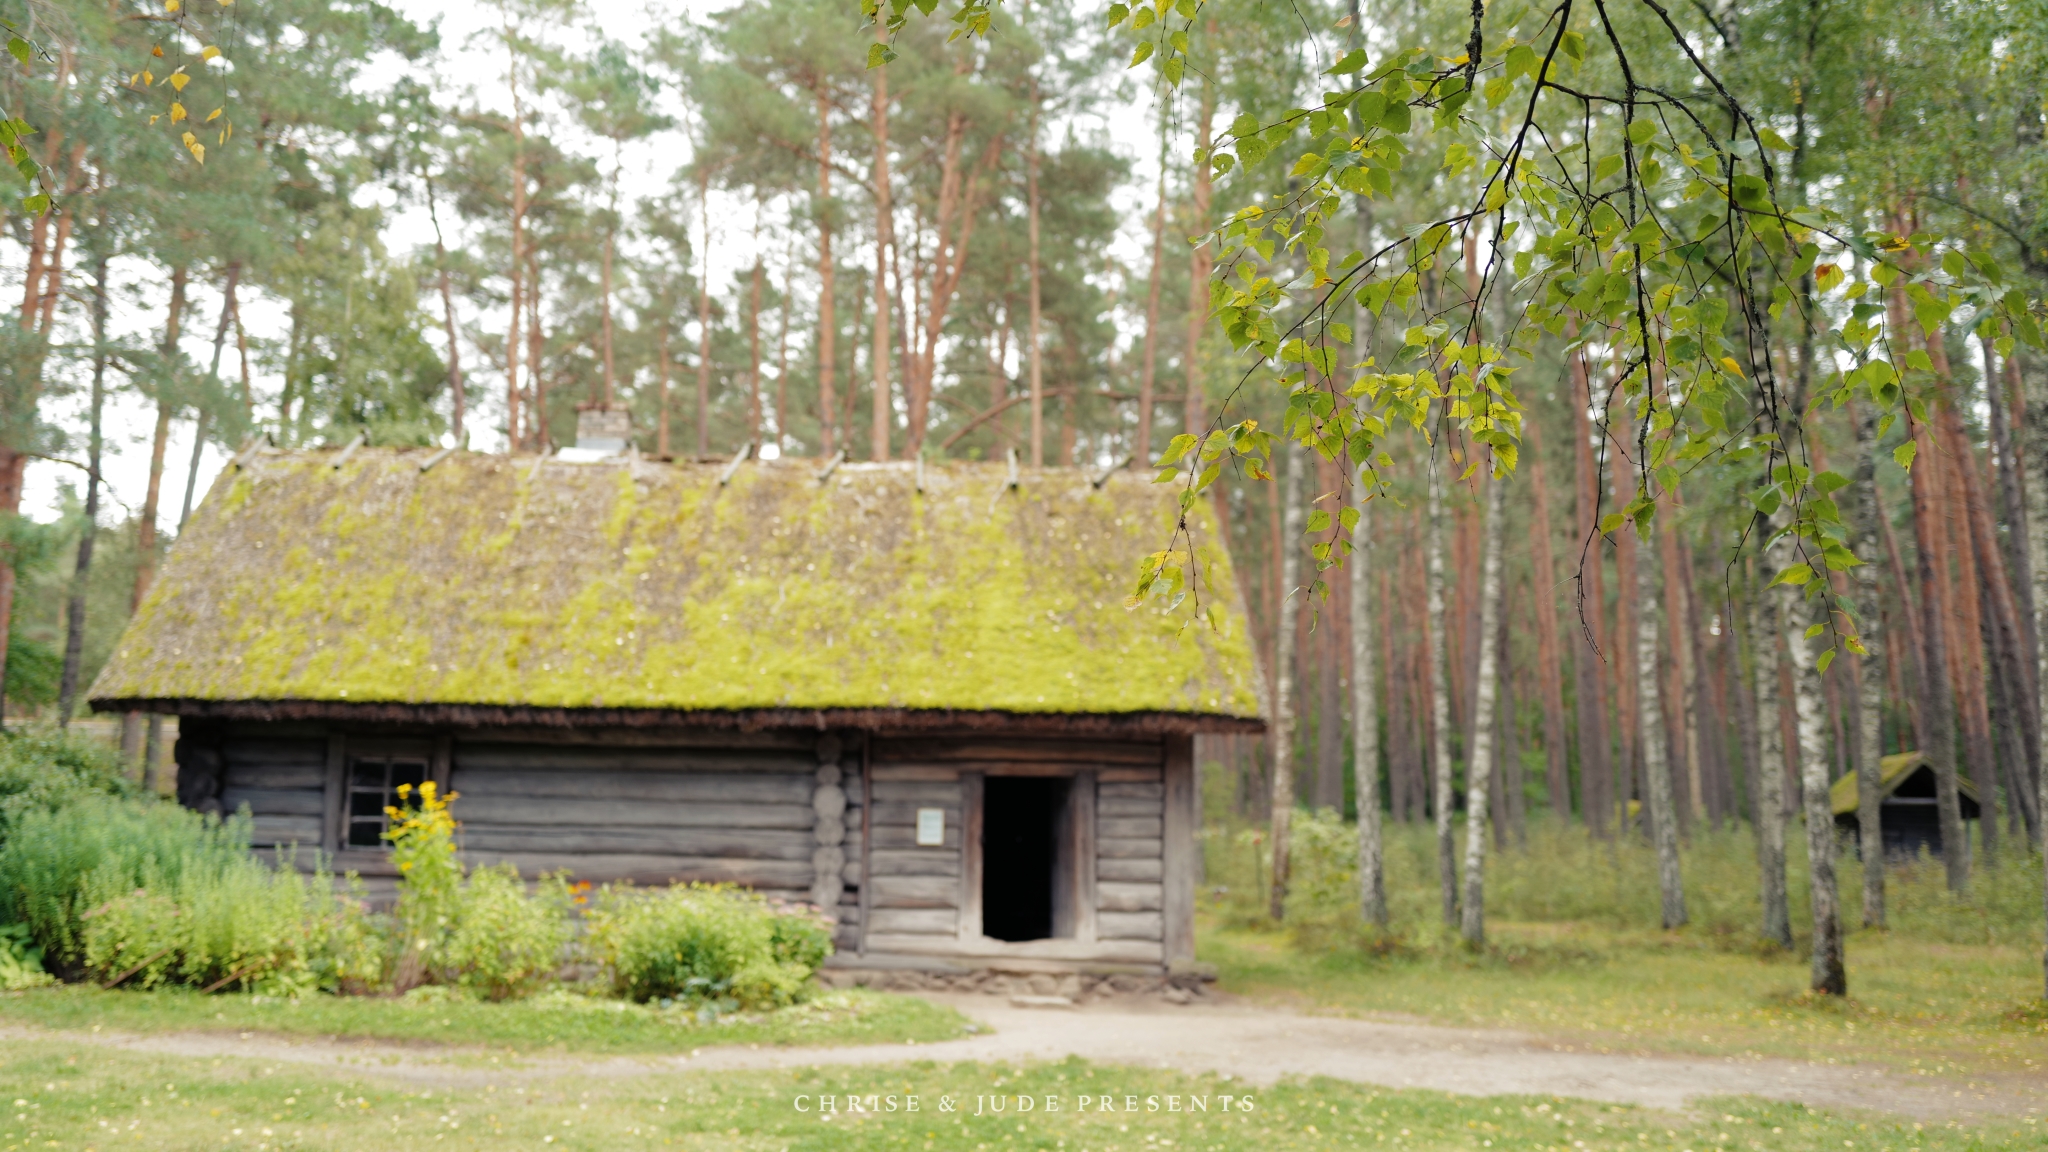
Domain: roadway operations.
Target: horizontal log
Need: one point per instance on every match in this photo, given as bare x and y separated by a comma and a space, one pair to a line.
488, 809
1129, 790
924, 792
649, 786
914, 862
1130, 926
916, 892
1133, 869
994, 953
1118, 806
1128, 849
987, 748
1130, 828
242, 752
851, 874
605, 758
600, 868
276, 801
276, 776
905, 815
738, 843
905, 836
305, 831
1124, 897
914, 921
881, 772
651, 736
1117, 775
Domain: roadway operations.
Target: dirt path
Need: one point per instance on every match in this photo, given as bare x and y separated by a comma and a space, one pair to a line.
1257, 1044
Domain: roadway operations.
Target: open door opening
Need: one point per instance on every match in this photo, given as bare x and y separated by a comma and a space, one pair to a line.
1023, 870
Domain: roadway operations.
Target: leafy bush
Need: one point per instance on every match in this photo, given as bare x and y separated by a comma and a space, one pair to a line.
505, 942
429, 880
148, 893
44, 768
21, 962
705, 943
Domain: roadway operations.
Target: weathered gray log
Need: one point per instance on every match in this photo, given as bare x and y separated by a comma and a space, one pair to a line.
1114, 848
1113, 896
658, 786
793, 875
276, 801
740, 843
559, 811
1130, 925
916, 891
914, 862
926, 793
1178, 850
603, 758
313, 776
914, 921
1126, 869
1131, 828
1128, 790
922, 750
1119, 807
244, 752
301, 830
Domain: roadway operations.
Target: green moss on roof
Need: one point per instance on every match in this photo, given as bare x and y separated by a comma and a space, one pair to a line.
643, 585
1892, 771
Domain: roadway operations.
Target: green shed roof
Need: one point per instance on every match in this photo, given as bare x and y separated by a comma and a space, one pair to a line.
497, 582
1892, 771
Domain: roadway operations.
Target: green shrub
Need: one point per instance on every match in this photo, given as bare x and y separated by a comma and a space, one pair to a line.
702, 943
505, 942
148, 893
44, 768
21, 962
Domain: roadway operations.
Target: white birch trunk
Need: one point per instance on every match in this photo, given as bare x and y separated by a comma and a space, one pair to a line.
1283, 676
1770, 766
2036, 462
1440, 696
1480, 755
1828, 973
1870, 674
1365, 719
1650, 735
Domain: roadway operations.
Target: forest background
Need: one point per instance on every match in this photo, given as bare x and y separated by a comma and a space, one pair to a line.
1016, 211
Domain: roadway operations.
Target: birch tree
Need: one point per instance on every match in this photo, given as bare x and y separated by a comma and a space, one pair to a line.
1284, 687
1435, 636
1365, 719
1480, 755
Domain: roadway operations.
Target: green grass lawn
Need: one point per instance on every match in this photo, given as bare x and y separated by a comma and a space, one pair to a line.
557, 1022
1957, 1008
62, 1094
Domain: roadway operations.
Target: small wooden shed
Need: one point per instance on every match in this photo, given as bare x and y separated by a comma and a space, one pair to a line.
1906, 816
914, 696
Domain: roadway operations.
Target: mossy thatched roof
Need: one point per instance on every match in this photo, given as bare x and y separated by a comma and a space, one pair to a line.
1892, 771
500, 583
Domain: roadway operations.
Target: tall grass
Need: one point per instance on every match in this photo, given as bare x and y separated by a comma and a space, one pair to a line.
1564, 876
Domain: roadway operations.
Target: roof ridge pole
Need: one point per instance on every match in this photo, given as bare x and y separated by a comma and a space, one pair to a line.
738, 458
361, 439
1124, 462
831, 466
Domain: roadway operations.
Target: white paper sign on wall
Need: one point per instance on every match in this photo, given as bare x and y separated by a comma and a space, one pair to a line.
931, 827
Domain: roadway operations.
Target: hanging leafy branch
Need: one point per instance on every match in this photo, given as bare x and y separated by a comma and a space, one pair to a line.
1616, 195
15, 131
188, 29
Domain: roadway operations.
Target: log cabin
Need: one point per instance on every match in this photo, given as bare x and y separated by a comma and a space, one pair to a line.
913, 695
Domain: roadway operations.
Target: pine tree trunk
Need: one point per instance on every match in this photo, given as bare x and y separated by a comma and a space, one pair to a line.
1829, 974
664, 369
2007, 431
145, 528
754, 350
1147, 372
885, 239
1966, 638
1037, 351
1869, 670
2037, 565
828, 324
704, 314
1938, 700
74, 608
1437, 641
1194, 406
220, 340
1543, 597
515, 433
1282, 736
1684, 734
1661, 809
1480, 758
1365, 720
1764, 635
611, 242
458, 398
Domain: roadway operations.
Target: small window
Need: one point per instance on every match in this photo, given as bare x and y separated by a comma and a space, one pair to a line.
373, 783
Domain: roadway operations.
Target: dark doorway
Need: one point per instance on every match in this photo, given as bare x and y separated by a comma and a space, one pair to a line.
1020, 855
